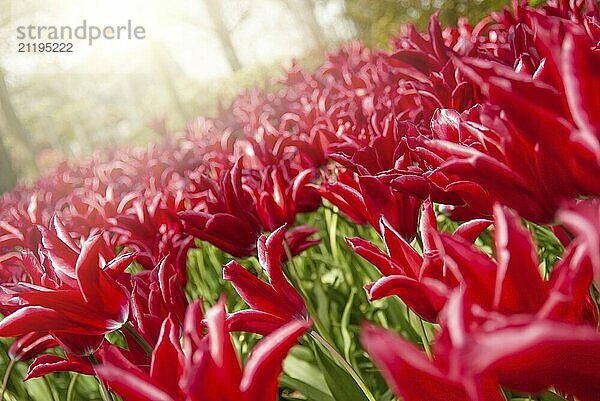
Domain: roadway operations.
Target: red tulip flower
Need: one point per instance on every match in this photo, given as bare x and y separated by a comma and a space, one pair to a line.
156, 294
512, 283
421, 282
72, 296
223, 215
503, 326
206, 368
232, 213
153, 229
273, 304
528, 358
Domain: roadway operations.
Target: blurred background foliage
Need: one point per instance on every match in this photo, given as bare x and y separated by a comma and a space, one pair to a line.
375, 21
45, 118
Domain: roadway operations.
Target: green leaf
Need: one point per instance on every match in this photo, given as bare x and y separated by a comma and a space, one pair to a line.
340, 383
313, 394
300, 365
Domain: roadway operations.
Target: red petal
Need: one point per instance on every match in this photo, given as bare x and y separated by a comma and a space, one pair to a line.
30, 345
96, 286
539, 355
36, 318
254, 321
255, 292
131, 385
372, 254
519, 285
46, 364
270, 250
471, 230
223, 355
408, 371
167, 358
261, 374
400, 250
418, 297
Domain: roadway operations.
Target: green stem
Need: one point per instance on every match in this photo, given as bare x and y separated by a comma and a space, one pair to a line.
332, 236
71, 389
294, 278
7, 374
336, 211
138, 338
104, 393
332, 351
344, 364
424, 338
294, 275
50, 388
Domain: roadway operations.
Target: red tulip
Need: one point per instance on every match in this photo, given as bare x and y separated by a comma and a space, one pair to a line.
232, 213
153, 229
366, 199
207, 368
512, 284
272, 304
422, 282
504, 326
539, 168
524, 357
72, 296
156, 294
225, 217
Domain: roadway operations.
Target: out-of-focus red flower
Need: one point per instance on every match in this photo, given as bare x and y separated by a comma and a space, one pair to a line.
18, 225
583, 220
429, 80
272, 304
503, 326
523, 357
153, 229
72, 294
11, 268
207, 368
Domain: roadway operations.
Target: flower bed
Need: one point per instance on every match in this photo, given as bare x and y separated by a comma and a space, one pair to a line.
455, 178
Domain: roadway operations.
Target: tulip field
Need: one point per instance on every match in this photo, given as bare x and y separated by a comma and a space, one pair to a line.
418, 224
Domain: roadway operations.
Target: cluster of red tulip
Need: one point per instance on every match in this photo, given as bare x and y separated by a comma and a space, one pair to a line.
492, 123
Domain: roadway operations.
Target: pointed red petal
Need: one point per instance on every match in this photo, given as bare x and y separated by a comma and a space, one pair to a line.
519, 285
167, 358
409, 372
261, 374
